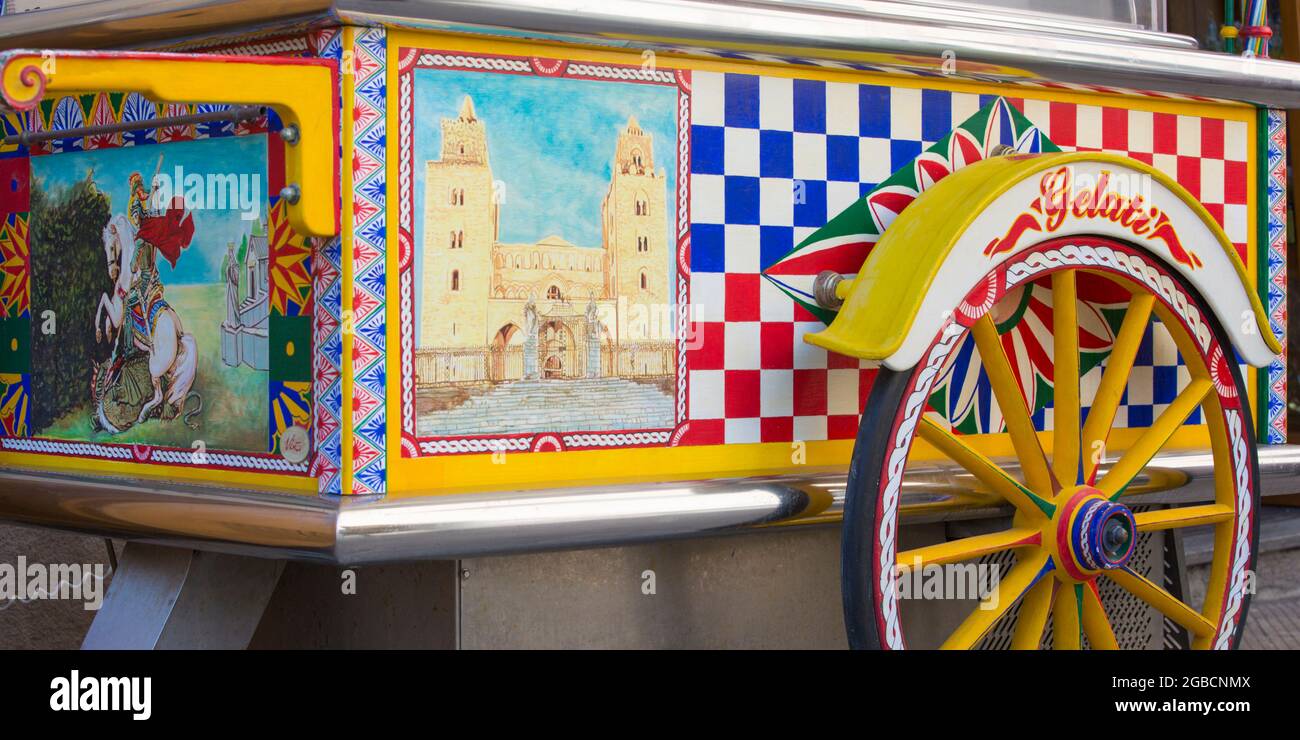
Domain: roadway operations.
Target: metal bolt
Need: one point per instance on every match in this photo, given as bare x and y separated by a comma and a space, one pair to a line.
1115, 537
290, 134
464, 575
291, 194
824, 289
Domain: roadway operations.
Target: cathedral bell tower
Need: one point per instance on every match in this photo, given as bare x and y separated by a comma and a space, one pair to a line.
635, 226
460, 229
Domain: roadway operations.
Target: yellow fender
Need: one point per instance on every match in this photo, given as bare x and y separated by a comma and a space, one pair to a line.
967, 224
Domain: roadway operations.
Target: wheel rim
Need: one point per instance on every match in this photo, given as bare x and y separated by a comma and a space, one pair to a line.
1071, 529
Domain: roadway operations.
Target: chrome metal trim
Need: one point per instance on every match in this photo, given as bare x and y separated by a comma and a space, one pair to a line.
1058, 50
125, 13
358, 530
991, 18
106, 24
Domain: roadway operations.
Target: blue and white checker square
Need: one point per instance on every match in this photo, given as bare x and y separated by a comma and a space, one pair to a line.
787, 155
1157, 377
1169, 375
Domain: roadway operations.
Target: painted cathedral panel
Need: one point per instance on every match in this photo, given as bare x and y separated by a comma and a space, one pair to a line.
544, 274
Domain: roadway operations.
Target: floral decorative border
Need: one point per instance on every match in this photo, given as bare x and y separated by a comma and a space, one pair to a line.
410, 59
327, 362
1272, 402
369, 72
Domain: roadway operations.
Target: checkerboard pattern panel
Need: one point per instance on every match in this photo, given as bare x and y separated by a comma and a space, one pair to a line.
1207, 156
1158, 375
773, 159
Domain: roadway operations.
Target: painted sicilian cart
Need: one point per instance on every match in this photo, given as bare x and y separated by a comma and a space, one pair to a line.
355, 289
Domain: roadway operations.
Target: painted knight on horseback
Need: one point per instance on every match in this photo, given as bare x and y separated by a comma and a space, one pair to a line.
151, 368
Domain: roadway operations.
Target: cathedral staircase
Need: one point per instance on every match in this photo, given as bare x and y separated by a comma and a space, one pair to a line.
590, 404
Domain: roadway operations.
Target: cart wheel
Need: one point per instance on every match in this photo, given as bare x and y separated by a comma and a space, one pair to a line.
1071, 528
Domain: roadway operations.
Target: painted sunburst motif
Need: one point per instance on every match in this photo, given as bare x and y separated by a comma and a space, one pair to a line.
176, 132
1221, 374
68, 114
135, 109
290, 406
102, 116
11, 124
290, 266
15, 397
15, 259
963, 395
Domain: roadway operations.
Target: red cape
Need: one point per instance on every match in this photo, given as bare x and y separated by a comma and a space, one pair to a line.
169, 232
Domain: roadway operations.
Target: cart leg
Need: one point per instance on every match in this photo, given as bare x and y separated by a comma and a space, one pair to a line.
168, 598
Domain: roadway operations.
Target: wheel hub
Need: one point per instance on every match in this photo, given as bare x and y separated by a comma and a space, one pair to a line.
1093, 533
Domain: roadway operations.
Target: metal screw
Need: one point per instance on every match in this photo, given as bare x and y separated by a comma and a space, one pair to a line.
291, 194
824, 289
290, 134
1115, 537
464, 575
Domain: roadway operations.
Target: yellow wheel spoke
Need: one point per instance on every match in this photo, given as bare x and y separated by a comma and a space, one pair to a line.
1032, 619
1114, 379
985, 470
1187, 516
1065, 379
1021, 576
1096, 625
1153, 439
1163, 601
967, 548
1014, 410
1066, 618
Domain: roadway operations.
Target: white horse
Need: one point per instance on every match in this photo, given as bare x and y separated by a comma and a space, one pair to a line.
173, 354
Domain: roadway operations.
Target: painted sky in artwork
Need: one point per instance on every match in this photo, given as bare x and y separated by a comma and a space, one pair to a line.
551, 141
243, 156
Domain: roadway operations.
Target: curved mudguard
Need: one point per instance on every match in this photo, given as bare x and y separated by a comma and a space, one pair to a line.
945, 243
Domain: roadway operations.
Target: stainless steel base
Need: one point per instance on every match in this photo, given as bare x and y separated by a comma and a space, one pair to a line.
354, 531
773, 588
